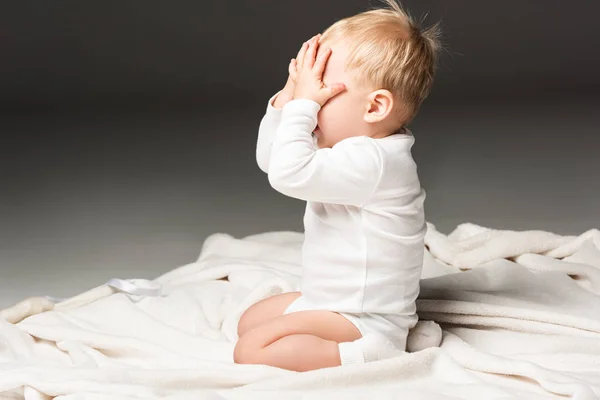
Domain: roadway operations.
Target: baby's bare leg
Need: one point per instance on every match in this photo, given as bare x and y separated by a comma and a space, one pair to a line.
265, 310
300, 341
301, 353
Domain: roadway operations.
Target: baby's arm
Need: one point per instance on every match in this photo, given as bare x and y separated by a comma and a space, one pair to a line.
347, 173
270, 122
268, 128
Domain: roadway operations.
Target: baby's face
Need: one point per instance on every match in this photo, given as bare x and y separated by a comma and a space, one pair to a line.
342, 116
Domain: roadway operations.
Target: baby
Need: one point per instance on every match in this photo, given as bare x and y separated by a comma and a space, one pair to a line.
336, 137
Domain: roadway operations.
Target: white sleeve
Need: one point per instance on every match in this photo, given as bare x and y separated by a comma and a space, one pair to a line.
348, 173
266, 134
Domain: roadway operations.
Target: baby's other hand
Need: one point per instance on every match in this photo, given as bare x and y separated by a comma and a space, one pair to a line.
309, 76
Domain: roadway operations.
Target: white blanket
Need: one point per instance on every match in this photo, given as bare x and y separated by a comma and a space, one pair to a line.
520, 313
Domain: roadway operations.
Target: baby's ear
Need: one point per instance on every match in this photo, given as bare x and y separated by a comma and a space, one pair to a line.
380, 104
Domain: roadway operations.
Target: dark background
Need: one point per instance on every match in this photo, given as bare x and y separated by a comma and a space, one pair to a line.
128, 128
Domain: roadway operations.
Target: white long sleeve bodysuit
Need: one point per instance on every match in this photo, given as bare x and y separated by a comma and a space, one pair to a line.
364, 222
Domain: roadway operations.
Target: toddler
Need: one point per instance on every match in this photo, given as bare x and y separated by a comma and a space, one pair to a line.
336, 137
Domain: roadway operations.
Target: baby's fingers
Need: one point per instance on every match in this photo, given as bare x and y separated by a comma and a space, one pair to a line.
321, 62
301, 54
292, 69
311, 52
331, 91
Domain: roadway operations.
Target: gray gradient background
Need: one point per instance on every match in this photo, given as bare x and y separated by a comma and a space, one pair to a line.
129, 127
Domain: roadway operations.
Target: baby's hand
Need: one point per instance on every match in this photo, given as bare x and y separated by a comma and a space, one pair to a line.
287, 93
299, 60
309, 77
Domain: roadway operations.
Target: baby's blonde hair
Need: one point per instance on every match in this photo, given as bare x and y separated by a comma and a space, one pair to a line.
389, 50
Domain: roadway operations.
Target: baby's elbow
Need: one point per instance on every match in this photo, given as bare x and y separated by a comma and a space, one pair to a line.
262, 164
276, 180
262, 158
281, 180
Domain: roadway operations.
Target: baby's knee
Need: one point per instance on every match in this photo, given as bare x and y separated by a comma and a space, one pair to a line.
243, 324
248, 321
244, 352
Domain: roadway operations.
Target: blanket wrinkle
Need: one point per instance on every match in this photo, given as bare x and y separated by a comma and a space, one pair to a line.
503, 315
